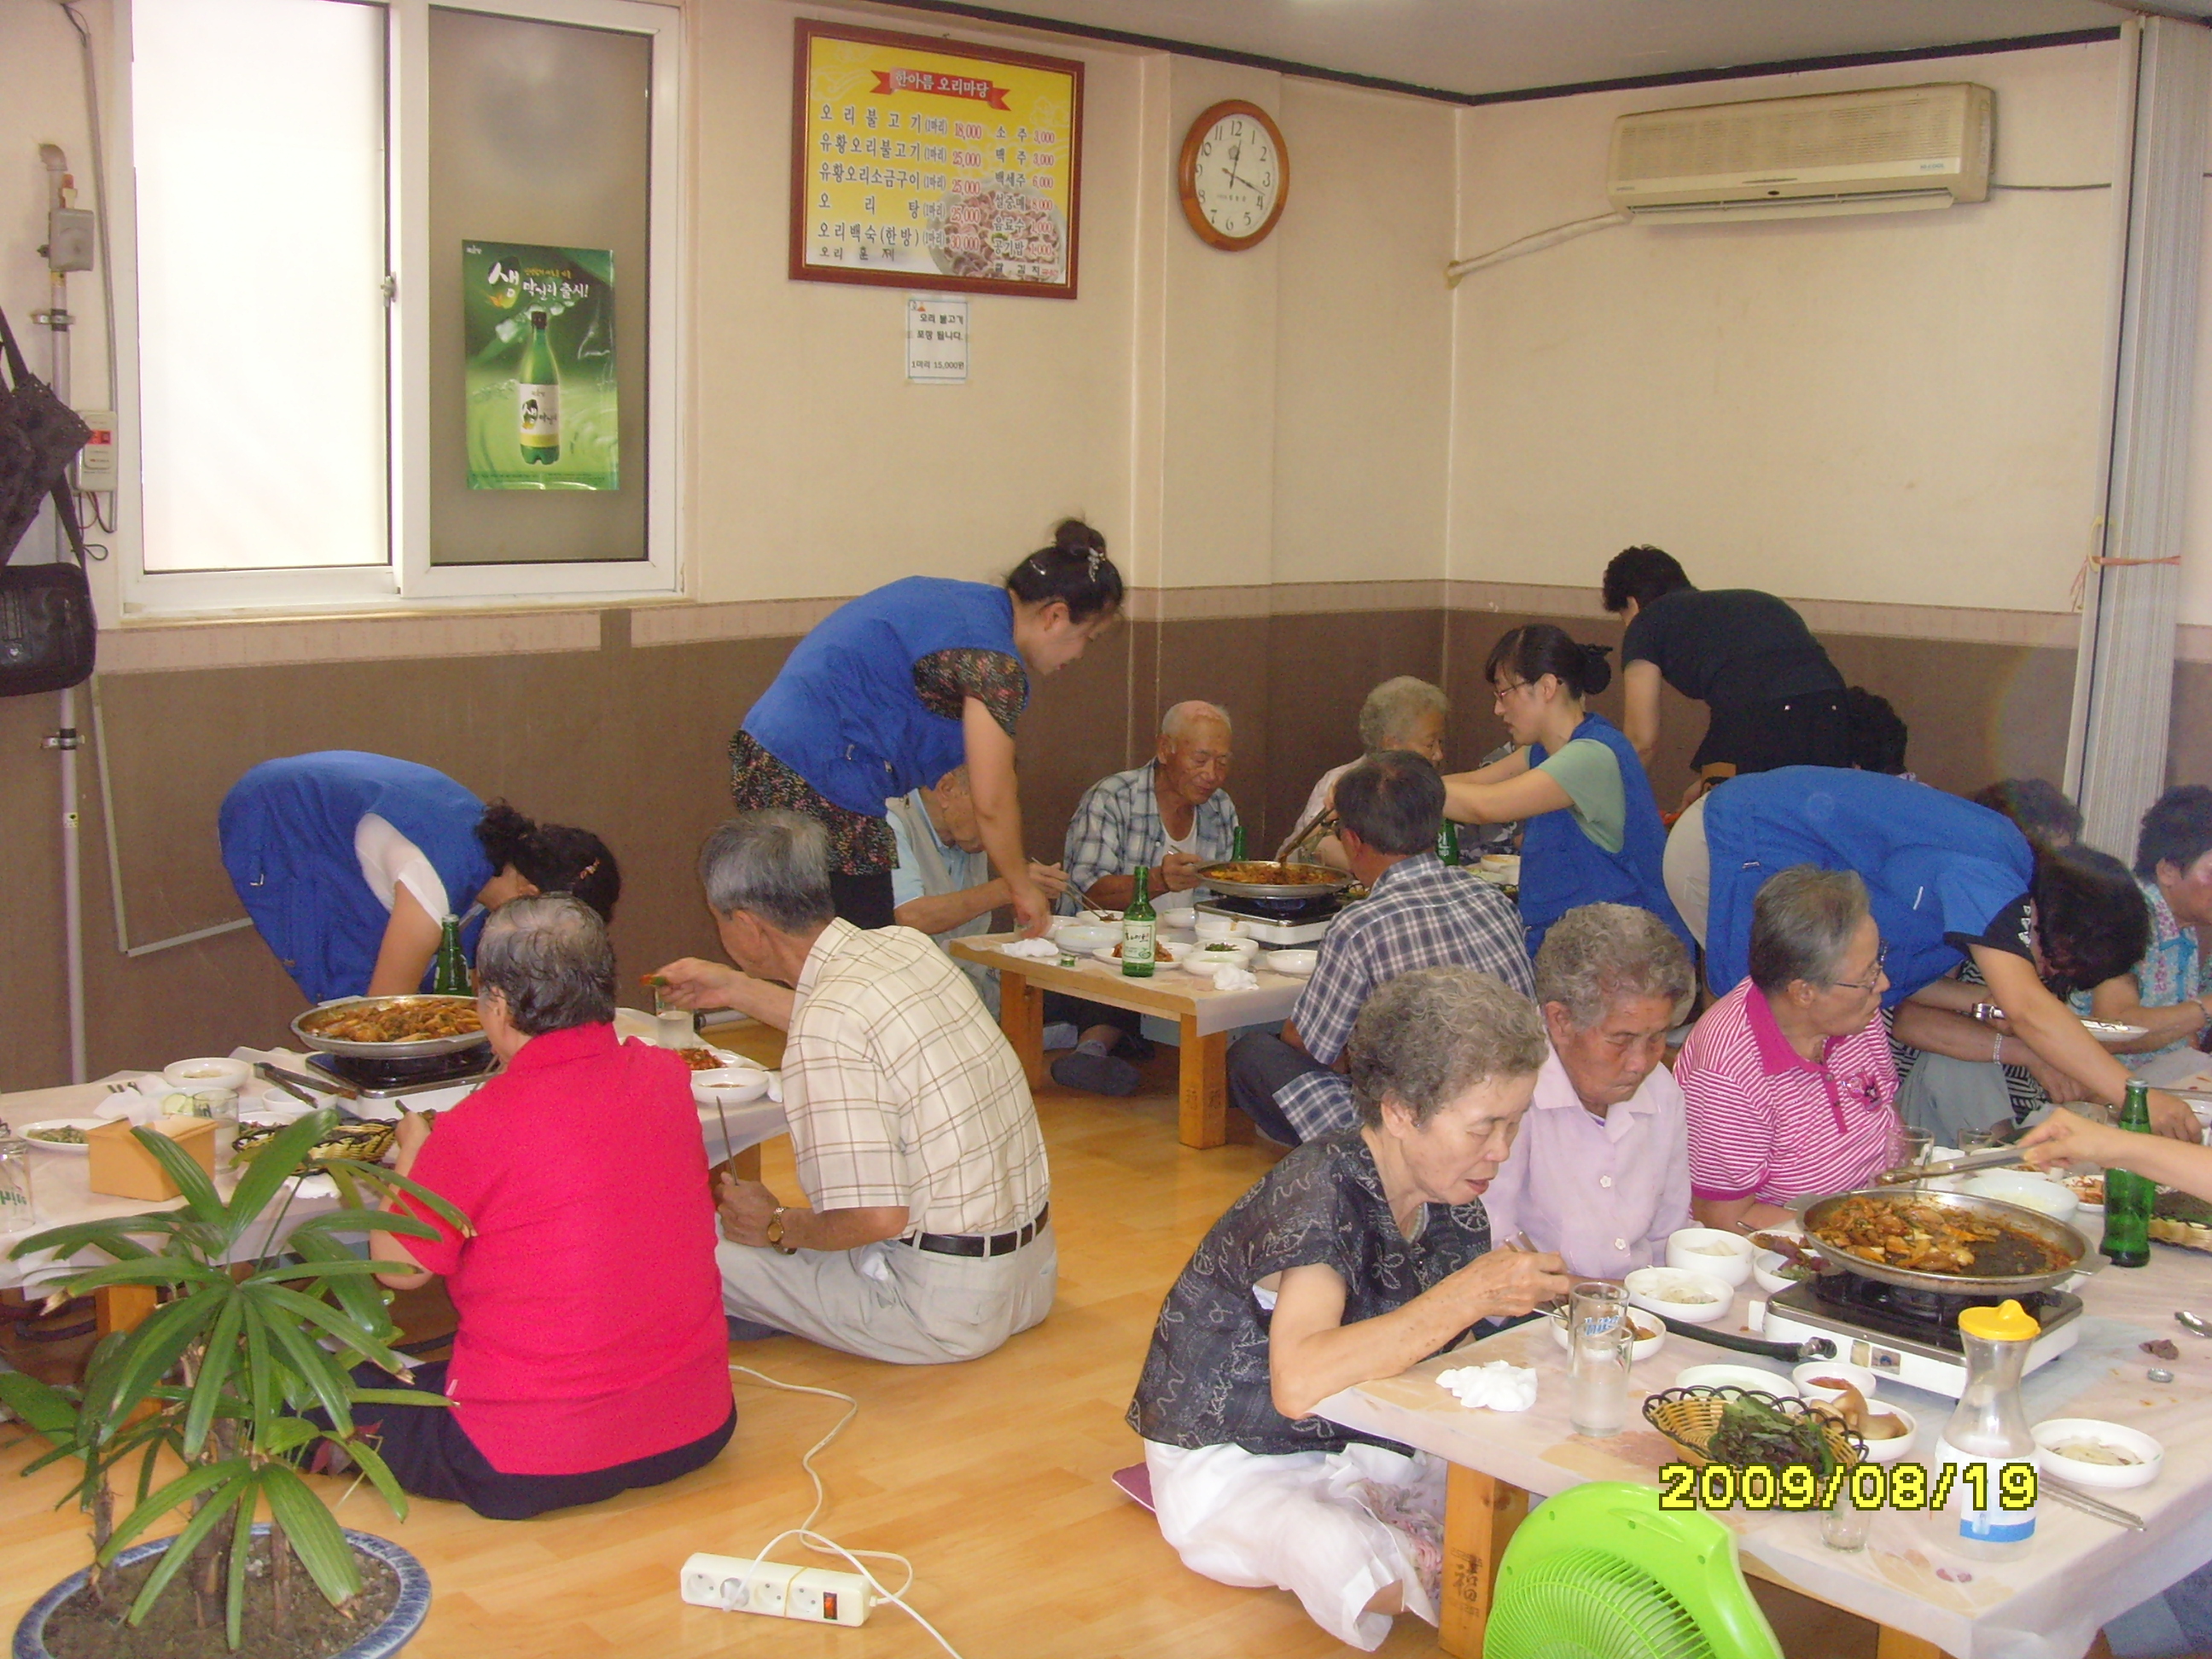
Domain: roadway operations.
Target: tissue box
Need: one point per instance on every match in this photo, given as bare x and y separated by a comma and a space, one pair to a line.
121, 1167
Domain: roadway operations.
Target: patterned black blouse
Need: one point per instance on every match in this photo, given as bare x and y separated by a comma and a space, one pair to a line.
1205, 1382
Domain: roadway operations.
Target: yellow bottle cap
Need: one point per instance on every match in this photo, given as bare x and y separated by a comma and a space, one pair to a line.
2006, 1322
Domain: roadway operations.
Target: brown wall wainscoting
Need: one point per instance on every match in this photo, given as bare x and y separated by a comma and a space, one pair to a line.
629, 740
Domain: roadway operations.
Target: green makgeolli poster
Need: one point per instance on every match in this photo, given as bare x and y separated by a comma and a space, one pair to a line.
539, 325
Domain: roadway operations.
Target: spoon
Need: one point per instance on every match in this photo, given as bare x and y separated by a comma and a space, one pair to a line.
2193, 1325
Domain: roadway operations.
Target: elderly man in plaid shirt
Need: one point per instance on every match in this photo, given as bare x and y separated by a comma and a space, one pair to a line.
1418, 913
926, 1234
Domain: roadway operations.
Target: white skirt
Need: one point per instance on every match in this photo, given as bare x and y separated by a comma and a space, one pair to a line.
1334, 1528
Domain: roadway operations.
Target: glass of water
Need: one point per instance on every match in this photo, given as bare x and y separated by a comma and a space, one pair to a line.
674, 1027
1599, 1344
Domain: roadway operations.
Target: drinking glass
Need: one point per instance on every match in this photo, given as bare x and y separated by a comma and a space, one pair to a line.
1976, 1140
19, 1210
674, 1028
1600, 1341
1844, 1524
1913, 1146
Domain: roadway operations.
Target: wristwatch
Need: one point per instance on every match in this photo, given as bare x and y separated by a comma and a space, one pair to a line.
774, 1230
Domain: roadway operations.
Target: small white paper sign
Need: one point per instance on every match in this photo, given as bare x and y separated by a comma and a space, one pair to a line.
936, 339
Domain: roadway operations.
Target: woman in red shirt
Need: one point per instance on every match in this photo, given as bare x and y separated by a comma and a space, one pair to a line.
590, 1355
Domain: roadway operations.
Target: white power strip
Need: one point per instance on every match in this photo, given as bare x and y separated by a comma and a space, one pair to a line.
813, 1594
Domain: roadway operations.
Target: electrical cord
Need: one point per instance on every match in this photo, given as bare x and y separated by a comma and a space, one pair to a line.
814, 1540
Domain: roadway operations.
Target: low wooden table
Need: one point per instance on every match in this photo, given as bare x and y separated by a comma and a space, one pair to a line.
2081, 1572
1206, 1016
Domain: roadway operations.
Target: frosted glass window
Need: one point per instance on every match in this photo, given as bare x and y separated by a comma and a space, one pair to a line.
259, 141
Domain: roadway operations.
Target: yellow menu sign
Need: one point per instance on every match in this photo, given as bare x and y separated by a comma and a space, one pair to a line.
921, 163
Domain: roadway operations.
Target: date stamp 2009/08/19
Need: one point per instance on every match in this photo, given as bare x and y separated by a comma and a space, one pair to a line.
1863, 1485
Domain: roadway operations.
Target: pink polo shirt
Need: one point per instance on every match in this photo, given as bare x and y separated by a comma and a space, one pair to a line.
1767, 1123
1604, 1194
590, 1305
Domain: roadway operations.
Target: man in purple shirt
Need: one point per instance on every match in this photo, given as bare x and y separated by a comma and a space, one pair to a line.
1599, 1171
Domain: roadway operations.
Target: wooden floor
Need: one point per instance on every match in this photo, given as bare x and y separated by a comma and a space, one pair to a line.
991, 1476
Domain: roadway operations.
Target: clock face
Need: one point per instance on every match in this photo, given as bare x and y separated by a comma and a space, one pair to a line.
1234, 173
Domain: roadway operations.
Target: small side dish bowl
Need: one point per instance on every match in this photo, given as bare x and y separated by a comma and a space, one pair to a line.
1693, 1297
1651, 1334
2041, 1193
1210, 926
1807, 1377
38, 1134
2065, 1440
1709, 1250
1735, 1376
1086, 936
211, 1072
729, 1086
1770, 1271
1897, 1447
1297, 963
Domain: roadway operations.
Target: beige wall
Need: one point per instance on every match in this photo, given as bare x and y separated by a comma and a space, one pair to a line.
1902, 408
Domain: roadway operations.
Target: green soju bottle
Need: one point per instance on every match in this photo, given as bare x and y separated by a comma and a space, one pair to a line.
538, 398
2128, 1196
1447, 842
1140, 926
1236, 845
451, 977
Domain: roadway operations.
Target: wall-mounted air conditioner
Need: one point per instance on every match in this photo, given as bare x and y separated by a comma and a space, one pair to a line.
1892, 150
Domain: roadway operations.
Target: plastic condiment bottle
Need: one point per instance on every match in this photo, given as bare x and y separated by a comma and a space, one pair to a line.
1986, 1436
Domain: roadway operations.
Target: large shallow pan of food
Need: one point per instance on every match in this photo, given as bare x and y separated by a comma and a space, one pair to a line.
415, 1027
1956, 1243
1265, 879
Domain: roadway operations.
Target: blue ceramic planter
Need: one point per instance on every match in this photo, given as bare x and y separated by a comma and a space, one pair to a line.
398, 1629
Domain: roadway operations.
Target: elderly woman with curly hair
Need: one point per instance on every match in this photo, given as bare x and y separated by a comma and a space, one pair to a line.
1404, 713
1362, 1253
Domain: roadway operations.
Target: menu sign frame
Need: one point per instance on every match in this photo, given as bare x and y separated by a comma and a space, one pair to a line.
935, 164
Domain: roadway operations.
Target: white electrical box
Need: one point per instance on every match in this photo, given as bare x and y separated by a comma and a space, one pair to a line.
95, 462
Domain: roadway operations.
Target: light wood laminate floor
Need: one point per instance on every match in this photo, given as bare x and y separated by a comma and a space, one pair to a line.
991, 1476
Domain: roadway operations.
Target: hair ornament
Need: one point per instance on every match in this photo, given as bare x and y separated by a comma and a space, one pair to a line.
1095, 558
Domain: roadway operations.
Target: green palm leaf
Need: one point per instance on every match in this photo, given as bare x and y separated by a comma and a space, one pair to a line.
201, 1199
240, 1489
313, 1532
215, 1367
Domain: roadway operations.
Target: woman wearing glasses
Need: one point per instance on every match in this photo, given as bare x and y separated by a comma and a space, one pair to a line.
1787, 1081
1593, 834
1947, 882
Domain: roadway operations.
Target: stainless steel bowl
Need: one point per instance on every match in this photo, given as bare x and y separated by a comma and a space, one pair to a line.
1336, 882
2033, 1222
307, 1026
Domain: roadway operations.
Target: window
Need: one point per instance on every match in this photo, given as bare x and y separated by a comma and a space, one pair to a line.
323, 415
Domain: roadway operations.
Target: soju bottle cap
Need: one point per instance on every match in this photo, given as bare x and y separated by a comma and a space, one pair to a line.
2006, 1322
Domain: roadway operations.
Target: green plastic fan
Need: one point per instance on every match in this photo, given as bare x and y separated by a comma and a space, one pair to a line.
1599, 1572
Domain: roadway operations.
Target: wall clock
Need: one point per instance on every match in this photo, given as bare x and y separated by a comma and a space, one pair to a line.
1235, 175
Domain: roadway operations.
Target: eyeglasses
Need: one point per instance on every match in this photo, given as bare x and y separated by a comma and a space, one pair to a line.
1515, 686
1881, 956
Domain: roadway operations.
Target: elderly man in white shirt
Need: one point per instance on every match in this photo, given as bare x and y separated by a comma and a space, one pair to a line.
1599, 1171
926, 1233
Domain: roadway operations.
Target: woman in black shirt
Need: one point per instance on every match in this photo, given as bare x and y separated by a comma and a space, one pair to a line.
1776, 699
1360, 1253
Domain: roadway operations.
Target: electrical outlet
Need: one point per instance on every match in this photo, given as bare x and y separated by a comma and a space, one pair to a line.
95, 462
811, 1593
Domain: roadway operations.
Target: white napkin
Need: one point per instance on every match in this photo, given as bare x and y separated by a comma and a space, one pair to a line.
775, 1087
1236, 979
1500, 1386
1030, 947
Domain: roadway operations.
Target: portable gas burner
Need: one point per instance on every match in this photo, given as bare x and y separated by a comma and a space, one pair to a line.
1279, 921
387, 1079
1910, 1335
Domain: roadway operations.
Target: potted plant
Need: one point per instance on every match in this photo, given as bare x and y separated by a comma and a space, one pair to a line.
219, 1379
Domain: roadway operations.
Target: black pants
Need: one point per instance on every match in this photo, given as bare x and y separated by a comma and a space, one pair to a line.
1260, 1062
431, 1456
864, 901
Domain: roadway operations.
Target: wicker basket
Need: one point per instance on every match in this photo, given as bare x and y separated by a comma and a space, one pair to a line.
1688, 1417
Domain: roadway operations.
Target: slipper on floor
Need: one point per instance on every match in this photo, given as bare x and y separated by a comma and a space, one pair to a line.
1097, 1074
1137, 1481
1138, 1050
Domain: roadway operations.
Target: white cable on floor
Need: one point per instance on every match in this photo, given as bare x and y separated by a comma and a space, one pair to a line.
814, 1540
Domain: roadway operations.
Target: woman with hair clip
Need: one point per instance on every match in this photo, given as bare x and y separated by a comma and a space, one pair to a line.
895, 689
349, 863
1593, 834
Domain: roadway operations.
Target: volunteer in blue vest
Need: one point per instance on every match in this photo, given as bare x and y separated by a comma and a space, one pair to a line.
349, 863
1949, 881
1592, 833
895, 689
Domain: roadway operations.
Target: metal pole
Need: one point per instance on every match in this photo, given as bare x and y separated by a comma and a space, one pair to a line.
64, 740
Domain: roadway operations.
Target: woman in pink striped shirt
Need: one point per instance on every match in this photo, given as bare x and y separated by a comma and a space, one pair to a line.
1788, 1079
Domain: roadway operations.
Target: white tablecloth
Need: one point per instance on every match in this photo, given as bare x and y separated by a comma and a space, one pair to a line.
1268, 1004
2049, 1605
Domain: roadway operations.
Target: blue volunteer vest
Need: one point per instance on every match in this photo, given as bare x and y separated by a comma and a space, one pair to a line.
1562, 868
843, 712
287, 828
1933, 863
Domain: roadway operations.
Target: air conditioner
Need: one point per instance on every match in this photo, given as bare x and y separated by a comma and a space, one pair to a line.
1883, 151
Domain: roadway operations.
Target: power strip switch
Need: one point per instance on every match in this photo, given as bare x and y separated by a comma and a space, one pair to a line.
811, 1593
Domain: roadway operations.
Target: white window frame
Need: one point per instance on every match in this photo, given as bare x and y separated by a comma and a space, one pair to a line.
408, 580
